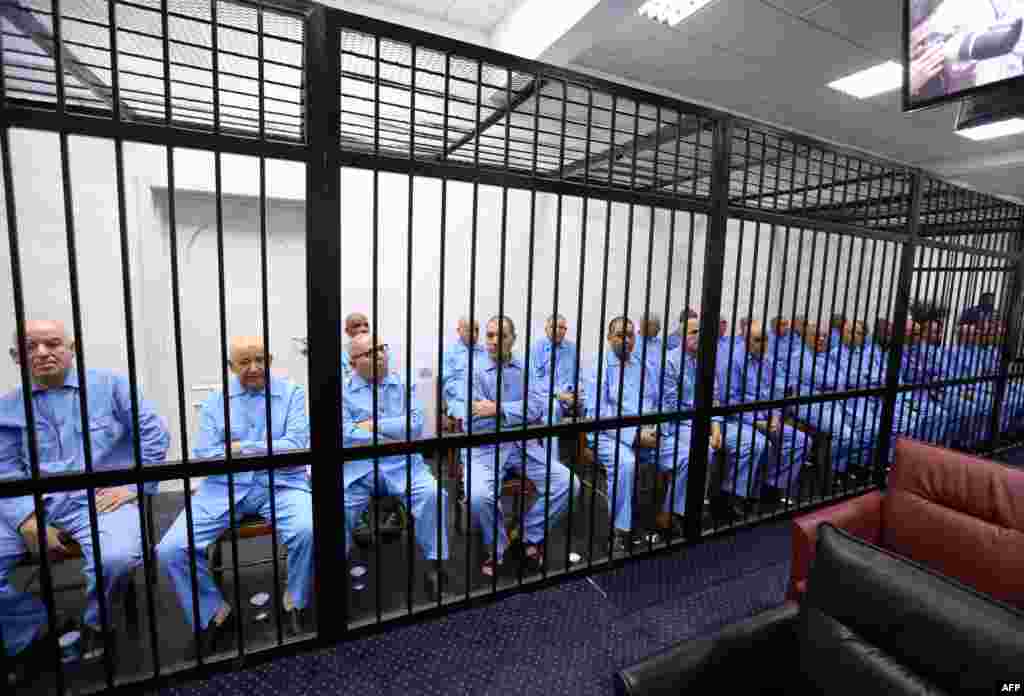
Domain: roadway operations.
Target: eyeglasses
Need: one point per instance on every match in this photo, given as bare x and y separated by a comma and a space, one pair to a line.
382, 348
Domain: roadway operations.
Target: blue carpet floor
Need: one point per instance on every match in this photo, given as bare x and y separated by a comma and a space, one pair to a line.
568, 639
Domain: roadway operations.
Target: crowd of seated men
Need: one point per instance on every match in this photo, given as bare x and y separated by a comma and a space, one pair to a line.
761, 452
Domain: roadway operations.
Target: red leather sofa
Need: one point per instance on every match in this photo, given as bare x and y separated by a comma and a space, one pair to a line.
960, 515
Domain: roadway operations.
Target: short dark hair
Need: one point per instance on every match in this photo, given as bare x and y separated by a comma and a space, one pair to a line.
510, 327
989, 293
554, 319
619, 320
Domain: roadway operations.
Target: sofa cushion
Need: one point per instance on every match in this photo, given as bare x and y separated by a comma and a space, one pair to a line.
947, 633
961, 515
835, 660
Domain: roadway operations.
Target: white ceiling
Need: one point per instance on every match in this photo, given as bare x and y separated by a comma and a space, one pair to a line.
479, 14
772, 60
766, 59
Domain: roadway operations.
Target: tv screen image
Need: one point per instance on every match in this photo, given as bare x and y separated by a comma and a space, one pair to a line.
955, 47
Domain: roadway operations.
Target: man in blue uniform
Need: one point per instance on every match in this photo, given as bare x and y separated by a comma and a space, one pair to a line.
488, 464
809, 370
925, 361
677, 337
456, 363
397, 418
985, 310
744, 447
746, 378
56, 386
554, 354
291, 494
355, 324
617, 450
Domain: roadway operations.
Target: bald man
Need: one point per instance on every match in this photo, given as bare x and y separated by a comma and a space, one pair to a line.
394, 408
291, 493
927, 360
456, 364
356, 324
649, 345
56, 390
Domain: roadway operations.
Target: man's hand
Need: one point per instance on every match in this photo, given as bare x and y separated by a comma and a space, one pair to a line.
29, 530
236, 446
567, 397
485, 409
968, 393
775, 424
110, 499
925, 65
367, 425
648, 437
762, 426
716, 436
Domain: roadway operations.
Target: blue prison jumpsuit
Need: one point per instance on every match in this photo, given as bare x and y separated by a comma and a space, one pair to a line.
360, 483
58, 428
292, 494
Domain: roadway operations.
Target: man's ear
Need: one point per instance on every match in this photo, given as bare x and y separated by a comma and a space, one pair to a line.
15, 356
71, 346
270, 360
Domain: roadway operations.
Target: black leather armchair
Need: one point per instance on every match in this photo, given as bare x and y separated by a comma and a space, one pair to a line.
872, 622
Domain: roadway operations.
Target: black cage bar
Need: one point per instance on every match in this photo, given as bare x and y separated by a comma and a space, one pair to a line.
243, 210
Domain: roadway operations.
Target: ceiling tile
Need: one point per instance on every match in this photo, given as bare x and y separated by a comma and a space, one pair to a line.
874, 24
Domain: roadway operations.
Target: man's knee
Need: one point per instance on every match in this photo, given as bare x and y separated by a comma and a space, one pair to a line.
121, 559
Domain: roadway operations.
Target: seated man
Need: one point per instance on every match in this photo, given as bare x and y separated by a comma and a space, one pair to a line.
650, 345
809, 370
355, 324
396, 404
836, 331
58, 427
745, 448
291, 493
861, 364
678, 337
618, 387
781, 340
927, 360
456, 362
748, 377
554, 354
488, 464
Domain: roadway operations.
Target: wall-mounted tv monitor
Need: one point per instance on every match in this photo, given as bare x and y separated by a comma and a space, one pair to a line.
956, 48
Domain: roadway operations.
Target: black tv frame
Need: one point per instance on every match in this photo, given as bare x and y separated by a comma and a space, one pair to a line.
910, 106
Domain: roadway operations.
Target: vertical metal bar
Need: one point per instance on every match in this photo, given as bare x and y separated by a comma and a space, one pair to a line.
375, 288
599, 384
222, 316
711, 306
268, 416
682, 350
906, 272
501, 375
324, 259
83, 402
442, 246
115, 81
260, 109
58, 58
45, 572
410, 548
521, 512
215, 64
166, 41
180, 373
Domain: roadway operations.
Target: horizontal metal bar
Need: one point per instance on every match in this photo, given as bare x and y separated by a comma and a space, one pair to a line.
512, 179
962, 269
784, 220
104, 127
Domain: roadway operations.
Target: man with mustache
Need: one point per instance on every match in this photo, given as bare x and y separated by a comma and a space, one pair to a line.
57, 387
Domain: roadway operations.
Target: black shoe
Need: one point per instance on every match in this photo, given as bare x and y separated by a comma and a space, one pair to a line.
391, 526
435, 582
771, 495
95, 643
36, 658
294, 621
621, 542
217, 637
726, 508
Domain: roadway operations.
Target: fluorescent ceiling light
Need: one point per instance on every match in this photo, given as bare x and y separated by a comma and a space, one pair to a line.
671, 12
884, 77
999, 129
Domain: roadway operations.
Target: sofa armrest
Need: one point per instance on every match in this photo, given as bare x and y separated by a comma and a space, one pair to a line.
768, 638
861, 516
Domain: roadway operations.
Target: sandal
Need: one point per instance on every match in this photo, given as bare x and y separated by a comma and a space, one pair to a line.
533, 554
489, 568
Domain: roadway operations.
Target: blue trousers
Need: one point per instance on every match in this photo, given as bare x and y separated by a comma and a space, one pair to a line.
672, 455
422, 496
782, 463
210, 517
852, 439
483, 475
746, 450
22, 615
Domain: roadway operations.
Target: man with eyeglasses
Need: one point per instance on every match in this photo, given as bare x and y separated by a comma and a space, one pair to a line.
499, 397
377, 408
290, 498
56, 386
